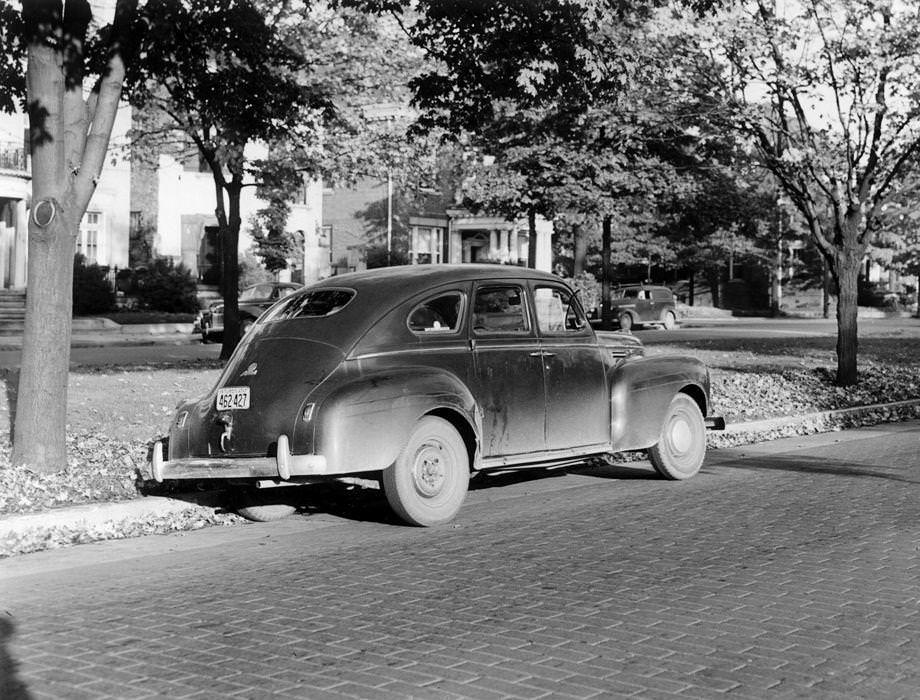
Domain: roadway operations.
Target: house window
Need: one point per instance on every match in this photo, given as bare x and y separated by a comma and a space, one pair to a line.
302, 194
427, 245
90, 240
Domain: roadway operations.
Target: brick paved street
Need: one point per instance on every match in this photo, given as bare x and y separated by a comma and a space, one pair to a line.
784, 570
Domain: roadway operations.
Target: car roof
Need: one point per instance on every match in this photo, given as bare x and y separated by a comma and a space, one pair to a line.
406, 279
380, 291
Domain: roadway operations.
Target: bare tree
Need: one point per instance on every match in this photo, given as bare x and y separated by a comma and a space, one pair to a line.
826, 90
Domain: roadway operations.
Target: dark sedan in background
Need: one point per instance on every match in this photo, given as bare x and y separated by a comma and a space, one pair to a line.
419, 377
253, 301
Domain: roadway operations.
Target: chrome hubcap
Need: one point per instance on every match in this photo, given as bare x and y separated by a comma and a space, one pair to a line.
681, 435
430, 470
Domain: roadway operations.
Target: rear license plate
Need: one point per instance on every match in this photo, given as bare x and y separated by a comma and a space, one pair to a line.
233, 398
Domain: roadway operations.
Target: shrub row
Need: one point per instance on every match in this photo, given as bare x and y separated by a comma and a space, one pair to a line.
159, 286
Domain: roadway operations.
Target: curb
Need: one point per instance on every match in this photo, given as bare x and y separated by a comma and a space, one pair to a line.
92, 515
818, 416
97, 516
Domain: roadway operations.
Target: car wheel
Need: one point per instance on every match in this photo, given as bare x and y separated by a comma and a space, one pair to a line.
681, 446
261, 506
428, 481
626, 322
668, 320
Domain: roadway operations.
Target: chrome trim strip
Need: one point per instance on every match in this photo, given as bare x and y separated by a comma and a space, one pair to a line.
546, 457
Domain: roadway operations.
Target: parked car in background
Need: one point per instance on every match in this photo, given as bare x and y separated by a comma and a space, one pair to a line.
642, 304
253, 301
421, 376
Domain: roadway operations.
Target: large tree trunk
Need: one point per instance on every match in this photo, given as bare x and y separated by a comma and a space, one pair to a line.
39, 435
40, 419
847, 266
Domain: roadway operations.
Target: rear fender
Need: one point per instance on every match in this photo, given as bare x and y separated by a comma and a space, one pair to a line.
641, 390
363, 425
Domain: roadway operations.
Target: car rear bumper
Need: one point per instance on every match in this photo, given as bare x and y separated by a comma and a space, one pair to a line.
715, 423
283, 466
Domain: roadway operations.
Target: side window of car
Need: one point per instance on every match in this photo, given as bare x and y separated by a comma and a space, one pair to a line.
500, 309
440, 314
557, 311
661, 295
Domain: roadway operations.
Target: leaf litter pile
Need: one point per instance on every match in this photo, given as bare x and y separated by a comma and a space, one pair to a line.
114, 414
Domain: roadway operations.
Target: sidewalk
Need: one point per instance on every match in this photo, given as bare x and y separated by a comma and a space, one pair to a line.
100, 332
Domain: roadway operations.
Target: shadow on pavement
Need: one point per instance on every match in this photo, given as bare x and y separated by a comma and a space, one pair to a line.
11, 688
813, 465
364, 504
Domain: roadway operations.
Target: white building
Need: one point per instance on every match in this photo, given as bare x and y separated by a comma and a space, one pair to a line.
103, 236
181, 209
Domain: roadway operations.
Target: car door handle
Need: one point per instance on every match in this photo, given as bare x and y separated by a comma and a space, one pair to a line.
541, 353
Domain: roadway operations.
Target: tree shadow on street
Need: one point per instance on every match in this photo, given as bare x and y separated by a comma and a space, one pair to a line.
814, 465
11, 687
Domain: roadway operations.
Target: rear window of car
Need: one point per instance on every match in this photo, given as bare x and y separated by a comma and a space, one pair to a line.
315, 303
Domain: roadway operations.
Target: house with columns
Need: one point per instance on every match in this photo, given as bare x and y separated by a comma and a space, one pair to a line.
459, 236
352, 222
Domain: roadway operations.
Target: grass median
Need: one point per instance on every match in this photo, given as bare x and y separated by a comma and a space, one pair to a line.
114, 413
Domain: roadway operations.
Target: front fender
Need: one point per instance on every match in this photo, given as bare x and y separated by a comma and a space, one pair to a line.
363, 424
641, 390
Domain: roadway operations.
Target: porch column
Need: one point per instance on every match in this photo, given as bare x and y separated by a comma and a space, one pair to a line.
513, 247
20, 264
493, 242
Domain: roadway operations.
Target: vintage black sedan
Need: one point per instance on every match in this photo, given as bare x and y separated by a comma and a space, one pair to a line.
419, 377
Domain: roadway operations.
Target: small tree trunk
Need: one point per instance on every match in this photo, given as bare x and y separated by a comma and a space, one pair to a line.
231, 237
606, 276
579, 250
847, 333
532, 241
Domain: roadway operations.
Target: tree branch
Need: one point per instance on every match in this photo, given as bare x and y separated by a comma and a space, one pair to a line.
108, 89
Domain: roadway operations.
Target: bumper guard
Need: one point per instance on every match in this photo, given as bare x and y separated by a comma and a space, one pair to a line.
283, 466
